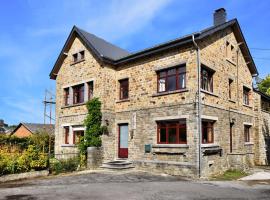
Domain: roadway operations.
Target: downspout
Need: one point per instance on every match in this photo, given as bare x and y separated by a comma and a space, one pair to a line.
199, 156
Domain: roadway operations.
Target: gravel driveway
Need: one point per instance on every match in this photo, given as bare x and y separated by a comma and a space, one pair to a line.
132, 185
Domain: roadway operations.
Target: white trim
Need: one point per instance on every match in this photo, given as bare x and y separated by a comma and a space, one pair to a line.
171, 117
209, 117
122, 122
79, 128
209, 145
78, 83
170, 146
248, 123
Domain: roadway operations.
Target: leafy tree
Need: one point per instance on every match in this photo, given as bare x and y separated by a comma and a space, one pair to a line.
94, 129
264, 85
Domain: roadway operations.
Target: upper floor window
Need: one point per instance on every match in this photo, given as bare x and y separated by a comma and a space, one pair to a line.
66, 96
172, 79
247, 133
246, 93
78, 56
78, 94
172, 132
207, 132
230, 88
124, 89
230, 52
207, 79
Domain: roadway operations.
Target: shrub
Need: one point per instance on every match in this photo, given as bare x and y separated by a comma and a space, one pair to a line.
68, 165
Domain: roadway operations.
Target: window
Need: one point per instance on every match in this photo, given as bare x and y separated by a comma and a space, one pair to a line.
172, 132
66, 129
78, 94
77, 135
207, 79
172, 79
90, 90
123, 89
78, 56
66, 96
230, 88
246, 92
207, 132
247, 133
230, 52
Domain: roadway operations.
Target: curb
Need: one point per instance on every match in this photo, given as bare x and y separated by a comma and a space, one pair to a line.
26, 175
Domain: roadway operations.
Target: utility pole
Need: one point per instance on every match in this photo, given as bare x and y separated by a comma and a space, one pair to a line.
49, 101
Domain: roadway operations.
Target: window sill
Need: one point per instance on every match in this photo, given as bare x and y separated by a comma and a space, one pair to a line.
73, 105
122, 100
232, 101
249, 143
68, 145
170, 146
74, 63
210, 93
169, 92
230, 61
209, 145
248, 106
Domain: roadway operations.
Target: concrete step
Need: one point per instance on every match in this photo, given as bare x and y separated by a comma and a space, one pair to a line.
118, 165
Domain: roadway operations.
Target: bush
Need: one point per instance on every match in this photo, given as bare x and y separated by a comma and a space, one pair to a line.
68, 165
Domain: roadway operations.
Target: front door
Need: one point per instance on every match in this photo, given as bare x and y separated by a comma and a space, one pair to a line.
123, 141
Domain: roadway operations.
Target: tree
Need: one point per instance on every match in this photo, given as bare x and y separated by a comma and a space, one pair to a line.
94, 129
264, 85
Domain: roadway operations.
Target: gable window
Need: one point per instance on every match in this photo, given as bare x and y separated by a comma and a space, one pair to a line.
77, 136
66, 96
172, 79
230, 52
78, 94
207, 132
207, 79
247, 133
78, 56
90, 90
230, 88
172, 132
246, 93
66, 136
124, 89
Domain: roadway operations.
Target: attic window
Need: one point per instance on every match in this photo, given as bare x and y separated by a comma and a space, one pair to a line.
77, 57
230, 52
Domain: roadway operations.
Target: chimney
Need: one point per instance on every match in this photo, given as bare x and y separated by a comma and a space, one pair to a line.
220, 16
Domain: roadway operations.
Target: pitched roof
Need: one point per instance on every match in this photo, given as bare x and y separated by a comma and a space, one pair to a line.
36, 128
109, 53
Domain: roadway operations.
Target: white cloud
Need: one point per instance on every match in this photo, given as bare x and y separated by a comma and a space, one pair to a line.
123, 18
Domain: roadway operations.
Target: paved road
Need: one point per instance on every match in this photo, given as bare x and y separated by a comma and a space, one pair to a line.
130, 186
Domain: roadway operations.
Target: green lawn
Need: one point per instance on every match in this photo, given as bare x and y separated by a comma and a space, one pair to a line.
231, 175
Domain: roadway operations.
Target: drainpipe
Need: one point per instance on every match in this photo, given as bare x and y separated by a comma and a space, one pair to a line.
199, 156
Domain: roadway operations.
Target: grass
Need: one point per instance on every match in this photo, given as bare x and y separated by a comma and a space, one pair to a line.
231, 175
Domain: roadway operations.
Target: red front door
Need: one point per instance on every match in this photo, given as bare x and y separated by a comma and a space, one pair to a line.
123, 141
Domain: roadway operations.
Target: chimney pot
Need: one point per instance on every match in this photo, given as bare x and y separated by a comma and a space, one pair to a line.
220, 16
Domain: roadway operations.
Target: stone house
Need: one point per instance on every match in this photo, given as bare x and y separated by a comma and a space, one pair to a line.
184, 107
28, 129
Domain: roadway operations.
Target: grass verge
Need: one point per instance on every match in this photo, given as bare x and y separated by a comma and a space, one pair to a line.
230, 175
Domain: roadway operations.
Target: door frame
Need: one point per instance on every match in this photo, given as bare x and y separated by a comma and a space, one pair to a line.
119, 135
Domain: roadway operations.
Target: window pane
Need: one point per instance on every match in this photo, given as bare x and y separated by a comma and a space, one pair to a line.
183, 134
171, 83
172, 71
172, 135
182, 70
162, 74
124, 89
162, 135
182, 81
162, 85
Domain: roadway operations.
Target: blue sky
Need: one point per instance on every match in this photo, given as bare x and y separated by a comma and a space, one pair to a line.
33, 33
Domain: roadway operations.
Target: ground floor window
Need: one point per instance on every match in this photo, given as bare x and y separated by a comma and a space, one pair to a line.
66, 136
172, 132
77, 135
207, 132
247, 133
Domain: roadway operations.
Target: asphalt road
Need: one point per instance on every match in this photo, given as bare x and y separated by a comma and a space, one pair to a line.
133, 185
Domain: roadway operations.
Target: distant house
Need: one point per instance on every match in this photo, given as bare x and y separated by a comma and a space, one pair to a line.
27, 129
4, 129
